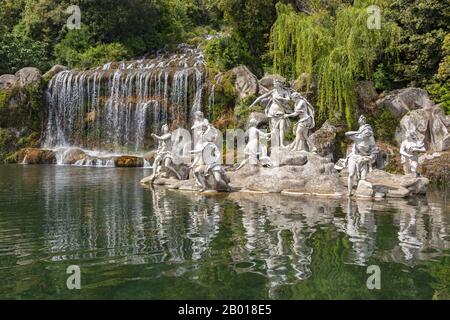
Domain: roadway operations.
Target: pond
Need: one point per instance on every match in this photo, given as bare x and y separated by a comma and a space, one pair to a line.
136, 243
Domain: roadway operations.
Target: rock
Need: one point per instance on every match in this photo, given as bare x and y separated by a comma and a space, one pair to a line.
316, 177
288, 158
72, 155
54, 71
400, 102
383, 184
365, 189
266, 82
366, 96
36, 156
28, 76
432, 126
90, 117
301, 84
246, 83
128, 162
436, 168
8, 81
261, 118
324, 140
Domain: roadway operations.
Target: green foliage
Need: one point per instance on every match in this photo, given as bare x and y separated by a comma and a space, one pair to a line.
227, 52
17, 52
384, 124
340, 49
424, 25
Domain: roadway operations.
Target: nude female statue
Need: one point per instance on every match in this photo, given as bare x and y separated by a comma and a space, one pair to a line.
278, 99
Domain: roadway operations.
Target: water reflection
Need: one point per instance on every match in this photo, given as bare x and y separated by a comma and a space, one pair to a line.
104, 217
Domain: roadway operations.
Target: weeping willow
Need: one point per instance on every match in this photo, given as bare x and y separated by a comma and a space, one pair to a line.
339, 49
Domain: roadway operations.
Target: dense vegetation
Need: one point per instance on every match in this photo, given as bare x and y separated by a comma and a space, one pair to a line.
328, 38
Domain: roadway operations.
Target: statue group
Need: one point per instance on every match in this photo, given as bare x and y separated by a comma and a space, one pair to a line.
281, 104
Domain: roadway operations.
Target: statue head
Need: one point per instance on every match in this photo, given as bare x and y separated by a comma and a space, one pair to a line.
253, 122
278, 83
165, 129
362, 120
198, 115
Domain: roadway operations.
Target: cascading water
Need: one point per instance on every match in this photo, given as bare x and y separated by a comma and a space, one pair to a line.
115, 108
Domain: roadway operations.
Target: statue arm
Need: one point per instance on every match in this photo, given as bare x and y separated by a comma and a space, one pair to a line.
260, 98
403, 151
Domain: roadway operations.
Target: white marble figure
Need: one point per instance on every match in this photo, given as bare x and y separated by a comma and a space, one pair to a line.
306, 122
201, 125
363, 155
409, 151
164, 155
206, 162
277, 104
255, 151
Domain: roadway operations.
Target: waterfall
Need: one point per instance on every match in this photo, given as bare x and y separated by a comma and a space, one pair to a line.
116, 107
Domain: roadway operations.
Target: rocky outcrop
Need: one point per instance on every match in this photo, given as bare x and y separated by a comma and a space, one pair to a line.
317, 176
128, 162
366, 96
324, 140
245, 82
36, 156
28, 76
400, 102
54, 71
281, 157
8, 81
432, 126
380, 184
261, 119
436, 167
73, 155
266, 82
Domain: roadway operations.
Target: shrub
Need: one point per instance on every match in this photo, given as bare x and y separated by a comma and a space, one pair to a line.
227, 52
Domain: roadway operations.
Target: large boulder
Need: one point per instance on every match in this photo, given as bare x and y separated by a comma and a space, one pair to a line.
54, 71
266, 82
366, 96
73, 155
432, 126
245, 83
281, 157
8, 81
317, 176
28, 76
261, 118
437, 168
36, 156
324, 140
400, 102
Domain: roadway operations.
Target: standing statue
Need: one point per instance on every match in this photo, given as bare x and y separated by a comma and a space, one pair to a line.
164, 155
201, 125
364, 153
207, 162
409, 151
255, 151
278, 100
304, 110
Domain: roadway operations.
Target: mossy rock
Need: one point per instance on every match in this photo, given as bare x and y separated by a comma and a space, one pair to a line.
36, 156
437, 169
128, 162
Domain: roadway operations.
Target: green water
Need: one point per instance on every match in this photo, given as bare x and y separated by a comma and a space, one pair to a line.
135, 243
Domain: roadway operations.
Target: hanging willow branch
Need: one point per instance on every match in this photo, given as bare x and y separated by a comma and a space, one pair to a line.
338, 49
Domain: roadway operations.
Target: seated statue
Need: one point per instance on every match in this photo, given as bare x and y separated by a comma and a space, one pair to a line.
409, 151
255, 151
164, 155
207, 162
363, 155
305, 112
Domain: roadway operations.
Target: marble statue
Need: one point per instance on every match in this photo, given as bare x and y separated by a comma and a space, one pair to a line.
277, 103
164, 155
255, 151
409, 151
201, 125
364, 153
304, 110
207, 162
